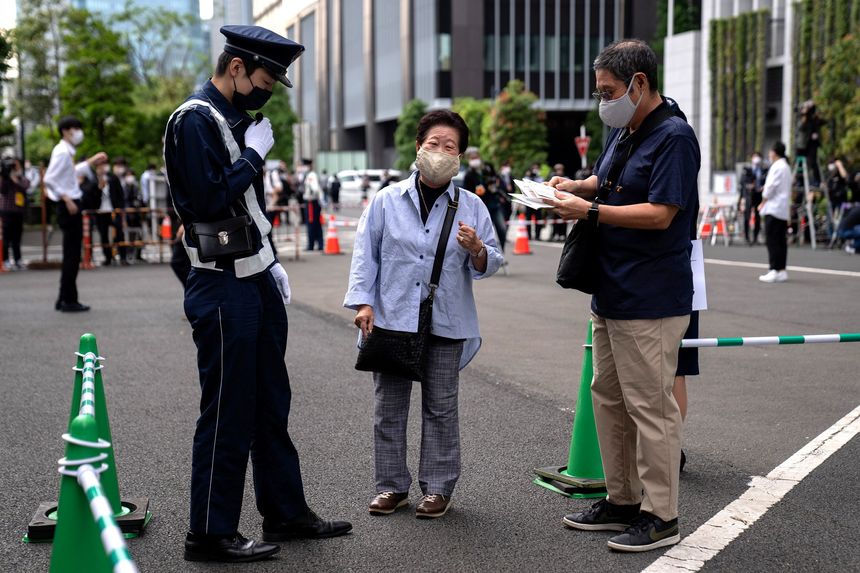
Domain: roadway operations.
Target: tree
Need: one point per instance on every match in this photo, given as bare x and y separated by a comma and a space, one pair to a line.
838, 101
404, 135
514, 130
7, 130
160, 45
473, 112
98, 83
38, 43
281, 114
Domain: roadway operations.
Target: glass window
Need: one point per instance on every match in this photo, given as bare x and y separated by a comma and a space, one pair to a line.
505, 53
489, 52
444, 45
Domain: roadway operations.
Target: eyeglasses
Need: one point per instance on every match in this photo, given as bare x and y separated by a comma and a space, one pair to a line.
602, 96
607, 95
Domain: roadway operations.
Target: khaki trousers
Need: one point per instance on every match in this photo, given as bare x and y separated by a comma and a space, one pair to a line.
638, 420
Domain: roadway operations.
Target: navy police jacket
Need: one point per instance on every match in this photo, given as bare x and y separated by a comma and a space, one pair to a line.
212, 176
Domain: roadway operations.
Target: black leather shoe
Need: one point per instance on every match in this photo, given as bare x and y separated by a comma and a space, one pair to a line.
234, 549
308, 526
73, 307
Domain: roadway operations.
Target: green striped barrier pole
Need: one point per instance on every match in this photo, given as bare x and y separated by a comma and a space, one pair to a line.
88, 376
111, 536
77, 545
770, 340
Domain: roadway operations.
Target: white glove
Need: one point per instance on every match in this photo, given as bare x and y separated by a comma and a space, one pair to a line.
259, 137
282, 280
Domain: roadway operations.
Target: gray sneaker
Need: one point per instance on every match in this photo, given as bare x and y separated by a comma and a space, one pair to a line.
646, 533
603, 516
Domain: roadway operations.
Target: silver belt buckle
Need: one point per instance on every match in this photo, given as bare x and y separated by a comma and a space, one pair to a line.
223, 238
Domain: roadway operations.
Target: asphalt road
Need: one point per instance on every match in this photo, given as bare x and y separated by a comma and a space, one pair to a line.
749, 410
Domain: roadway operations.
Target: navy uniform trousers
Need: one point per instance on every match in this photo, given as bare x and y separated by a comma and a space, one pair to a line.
240, 329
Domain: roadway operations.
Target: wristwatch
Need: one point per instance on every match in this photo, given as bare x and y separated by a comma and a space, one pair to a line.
480, 251
593, 213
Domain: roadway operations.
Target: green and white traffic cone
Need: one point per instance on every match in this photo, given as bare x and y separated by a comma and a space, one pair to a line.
583, 476
77, 544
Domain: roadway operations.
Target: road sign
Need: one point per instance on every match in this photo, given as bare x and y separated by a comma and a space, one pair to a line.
582, 144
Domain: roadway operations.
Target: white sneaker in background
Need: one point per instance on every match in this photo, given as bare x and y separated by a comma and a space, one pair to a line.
781, 276
769, 277
849, 248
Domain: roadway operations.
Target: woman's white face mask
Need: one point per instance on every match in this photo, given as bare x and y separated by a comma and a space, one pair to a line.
437, 167
619, 112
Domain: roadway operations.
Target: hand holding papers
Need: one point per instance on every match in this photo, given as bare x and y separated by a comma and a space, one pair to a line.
532, 194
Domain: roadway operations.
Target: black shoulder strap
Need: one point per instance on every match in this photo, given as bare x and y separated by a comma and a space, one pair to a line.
658, 116
443, 240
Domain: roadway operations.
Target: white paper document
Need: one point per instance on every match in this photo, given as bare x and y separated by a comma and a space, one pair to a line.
532, 193
697, 264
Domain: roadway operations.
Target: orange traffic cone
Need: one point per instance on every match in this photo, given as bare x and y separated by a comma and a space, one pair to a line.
332, 245
166, 228
521, 246
721, 229
706, 230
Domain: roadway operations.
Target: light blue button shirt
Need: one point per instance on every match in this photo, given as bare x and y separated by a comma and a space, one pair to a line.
393, 259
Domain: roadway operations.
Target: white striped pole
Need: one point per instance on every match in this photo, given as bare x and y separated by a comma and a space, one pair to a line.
769, 340
112, 539
88, 386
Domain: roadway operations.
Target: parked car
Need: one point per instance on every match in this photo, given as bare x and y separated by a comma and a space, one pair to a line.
350, 182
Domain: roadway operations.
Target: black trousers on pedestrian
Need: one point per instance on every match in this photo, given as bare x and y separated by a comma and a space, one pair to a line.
73, 233
104, 222
753, 200
777, 243
13, 227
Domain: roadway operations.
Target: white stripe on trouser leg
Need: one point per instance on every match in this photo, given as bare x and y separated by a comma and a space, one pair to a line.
217, 417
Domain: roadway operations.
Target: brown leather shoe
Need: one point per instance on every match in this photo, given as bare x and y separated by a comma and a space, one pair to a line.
388, 502
431, 506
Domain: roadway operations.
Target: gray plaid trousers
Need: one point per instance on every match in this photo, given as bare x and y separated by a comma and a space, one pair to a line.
439, 467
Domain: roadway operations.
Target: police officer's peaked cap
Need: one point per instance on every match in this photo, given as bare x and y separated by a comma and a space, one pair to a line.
271, 50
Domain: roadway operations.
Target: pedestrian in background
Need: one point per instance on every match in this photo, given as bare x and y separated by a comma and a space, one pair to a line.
314, 199
775, 206
63, 186
641, 306
395, 246
807, 140
481, 179
110, 197
119, 197
752, 181
235, 302
559, 229
13, 202
334, 191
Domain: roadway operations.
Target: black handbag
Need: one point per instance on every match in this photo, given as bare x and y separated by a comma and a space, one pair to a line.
404, 354
229, 238
577, 267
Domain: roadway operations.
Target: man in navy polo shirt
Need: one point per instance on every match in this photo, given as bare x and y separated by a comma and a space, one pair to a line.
643, 300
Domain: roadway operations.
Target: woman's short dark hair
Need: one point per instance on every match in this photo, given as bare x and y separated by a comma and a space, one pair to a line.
624, 58
224, 62
69, 122
443, 117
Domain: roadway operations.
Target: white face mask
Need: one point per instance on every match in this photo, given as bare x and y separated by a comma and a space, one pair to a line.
77, 136
475, 163
437, 167
756, 161
619, 112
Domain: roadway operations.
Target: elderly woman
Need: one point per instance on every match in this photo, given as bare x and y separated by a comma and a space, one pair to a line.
395, 246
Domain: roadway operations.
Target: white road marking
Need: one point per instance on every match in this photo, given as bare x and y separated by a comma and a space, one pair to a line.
790, 268
714, 535
741, 263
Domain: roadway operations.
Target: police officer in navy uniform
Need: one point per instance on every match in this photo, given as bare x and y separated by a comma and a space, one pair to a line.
214, 153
